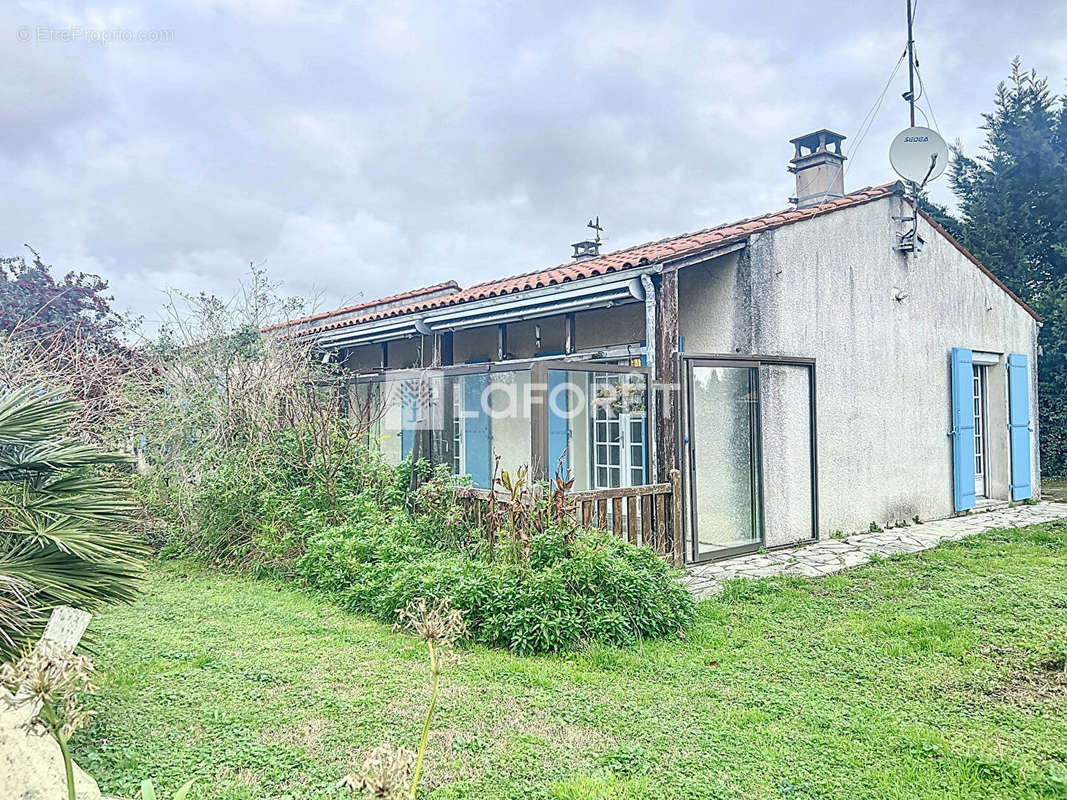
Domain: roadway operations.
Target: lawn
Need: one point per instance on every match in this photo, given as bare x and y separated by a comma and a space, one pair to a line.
931, 676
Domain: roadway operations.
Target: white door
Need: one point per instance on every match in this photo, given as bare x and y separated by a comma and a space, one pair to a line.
979, 430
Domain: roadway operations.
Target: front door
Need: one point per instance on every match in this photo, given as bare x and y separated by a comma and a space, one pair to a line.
724, 457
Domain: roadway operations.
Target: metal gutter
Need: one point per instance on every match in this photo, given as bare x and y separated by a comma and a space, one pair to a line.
598, 292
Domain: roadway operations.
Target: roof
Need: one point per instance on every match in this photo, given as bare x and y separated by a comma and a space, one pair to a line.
639, 255
662, 251
403, 298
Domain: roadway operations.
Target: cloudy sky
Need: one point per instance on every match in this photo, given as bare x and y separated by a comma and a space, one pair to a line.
357, 149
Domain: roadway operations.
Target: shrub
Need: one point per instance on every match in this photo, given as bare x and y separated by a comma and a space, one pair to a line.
575, 588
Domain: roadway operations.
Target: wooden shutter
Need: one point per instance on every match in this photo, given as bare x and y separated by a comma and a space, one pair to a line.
558, 425
1019, 427
962, 428
476, 451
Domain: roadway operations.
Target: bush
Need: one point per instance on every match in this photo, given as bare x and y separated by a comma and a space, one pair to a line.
575, 588
250, 504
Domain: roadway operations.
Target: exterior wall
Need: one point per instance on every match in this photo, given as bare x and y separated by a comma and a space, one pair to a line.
365, 358
601, 327
880, 326
624, 324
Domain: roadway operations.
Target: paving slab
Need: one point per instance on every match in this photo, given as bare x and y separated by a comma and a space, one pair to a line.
833, 555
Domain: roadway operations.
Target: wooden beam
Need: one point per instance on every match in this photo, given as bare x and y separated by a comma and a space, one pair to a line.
666, 378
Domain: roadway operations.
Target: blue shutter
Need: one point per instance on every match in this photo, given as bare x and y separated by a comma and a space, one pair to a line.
409, 411
1019, 425
962, 428
558, 428
476, 451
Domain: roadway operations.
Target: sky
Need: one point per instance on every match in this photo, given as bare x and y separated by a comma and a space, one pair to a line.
359, 149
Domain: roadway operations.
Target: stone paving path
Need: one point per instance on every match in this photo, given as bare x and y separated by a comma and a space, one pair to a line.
832, 555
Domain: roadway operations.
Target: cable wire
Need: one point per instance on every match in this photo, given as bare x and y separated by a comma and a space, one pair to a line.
868, 120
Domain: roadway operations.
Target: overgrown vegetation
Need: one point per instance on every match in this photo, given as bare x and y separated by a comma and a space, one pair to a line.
925, 676
302, 490
64, 333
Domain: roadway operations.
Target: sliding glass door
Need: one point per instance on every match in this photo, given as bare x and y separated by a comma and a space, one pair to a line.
724, 457
752, 458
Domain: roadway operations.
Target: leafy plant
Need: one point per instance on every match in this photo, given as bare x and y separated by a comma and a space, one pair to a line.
148, 790
63, 537
53, 678
576, 587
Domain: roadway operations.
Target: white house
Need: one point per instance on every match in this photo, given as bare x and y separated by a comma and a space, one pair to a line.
810, 370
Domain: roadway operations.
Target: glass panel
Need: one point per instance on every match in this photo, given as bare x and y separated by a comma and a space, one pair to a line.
601, 409
383, 404
722, 440
490, 420
785, 422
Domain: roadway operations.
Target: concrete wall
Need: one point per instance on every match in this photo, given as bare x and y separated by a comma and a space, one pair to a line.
881, 326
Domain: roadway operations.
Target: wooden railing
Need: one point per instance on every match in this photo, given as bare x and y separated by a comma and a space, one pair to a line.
648, 515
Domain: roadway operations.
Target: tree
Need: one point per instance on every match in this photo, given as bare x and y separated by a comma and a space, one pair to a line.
63, 333
64, 537
1013, 206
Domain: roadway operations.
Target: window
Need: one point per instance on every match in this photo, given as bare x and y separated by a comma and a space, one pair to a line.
457, 434
618, 430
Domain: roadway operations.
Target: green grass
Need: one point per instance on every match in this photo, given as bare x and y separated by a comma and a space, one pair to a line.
929, 676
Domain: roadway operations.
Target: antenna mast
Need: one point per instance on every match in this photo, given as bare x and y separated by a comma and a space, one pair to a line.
910, 96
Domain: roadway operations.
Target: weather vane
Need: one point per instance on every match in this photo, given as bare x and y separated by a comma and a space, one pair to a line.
596, 227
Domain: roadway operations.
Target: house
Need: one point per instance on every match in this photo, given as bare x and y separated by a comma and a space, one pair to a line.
809, 371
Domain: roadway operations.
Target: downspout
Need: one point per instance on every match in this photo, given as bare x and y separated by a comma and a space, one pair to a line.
650, 361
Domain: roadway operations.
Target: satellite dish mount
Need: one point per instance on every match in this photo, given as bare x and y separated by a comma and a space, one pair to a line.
917, 154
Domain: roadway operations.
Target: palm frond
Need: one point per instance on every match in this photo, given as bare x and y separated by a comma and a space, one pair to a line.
33, 414
21, 461
64, 535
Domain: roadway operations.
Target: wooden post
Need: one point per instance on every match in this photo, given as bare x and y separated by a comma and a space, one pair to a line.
666, 377
677, 523
539, 466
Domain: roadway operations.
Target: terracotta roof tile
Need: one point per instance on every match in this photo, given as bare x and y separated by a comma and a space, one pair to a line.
436, 289
638, 255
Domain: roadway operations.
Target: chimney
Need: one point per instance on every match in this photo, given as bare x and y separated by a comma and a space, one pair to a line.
819, 166
583, 251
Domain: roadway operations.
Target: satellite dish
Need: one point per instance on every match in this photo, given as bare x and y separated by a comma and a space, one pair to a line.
918, 155
422, 327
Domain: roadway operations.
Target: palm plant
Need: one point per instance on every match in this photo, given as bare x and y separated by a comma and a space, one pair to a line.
64, 537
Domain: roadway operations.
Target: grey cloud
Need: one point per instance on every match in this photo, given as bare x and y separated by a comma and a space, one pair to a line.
364, 149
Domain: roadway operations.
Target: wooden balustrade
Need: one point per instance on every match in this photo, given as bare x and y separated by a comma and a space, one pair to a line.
648, 515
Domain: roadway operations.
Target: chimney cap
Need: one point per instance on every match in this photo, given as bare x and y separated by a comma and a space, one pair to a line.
583, 251
818, 142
